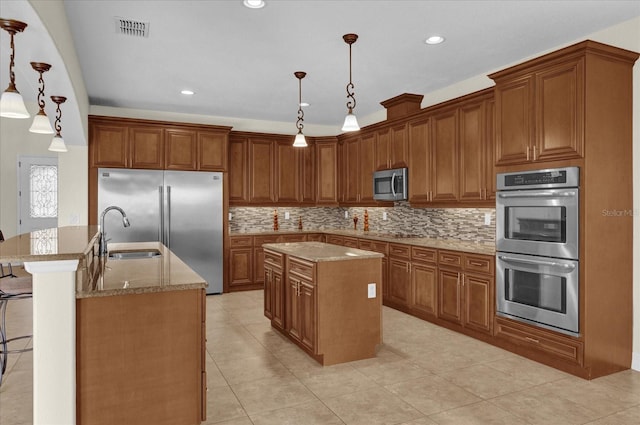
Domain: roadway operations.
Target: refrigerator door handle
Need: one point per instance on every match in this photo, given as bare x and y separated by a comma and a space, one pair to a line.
168, 239
161, 222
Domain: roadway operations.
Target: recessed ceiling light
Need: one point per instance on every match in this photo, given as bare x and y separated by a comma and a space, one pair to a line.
188, 92
434, 39
254, 4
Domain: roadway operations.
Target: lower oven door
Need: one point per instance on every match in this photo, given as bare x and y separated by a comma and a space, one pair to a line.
539, 290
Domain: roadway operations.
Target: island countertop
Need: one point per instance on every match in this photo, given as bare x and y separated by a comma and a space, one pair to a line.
165, 272
320, 251
103, 276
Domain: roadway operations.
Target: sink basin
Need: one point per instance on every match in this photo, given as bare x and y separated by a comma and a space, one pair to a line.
131, 255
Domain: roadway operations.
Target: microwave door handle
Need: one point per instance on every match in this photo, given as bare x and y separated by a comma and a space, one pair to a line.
537, 195
393, 184
537, 262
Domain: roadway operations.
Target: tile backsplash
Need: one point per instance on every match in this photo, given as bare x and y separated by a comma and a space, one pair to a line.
466, 224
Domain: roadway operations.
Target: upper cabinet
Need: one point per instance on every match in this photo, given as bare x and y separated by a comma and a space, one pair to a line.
540, 112
265, 169
450, 151
391, 147
326, 153
131, 143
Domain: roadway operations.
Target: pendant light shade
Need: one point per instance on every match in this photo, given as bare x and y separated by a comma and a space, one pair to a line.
57, 144
350, 121
41, 122
11, 103
300, 141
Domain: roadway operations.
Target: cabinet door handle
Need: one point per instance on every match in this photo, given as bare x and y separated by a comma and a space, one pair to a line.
528, 338
528, 152
534, 153
475, 263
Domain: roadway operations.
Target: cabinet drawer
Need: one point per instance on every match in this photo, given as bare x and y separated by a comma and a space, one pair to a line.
336, 240
375, 246
555, 345
240, 241
350, 242
301, 268
259, 240
479, 263
423, 254
315, 237
397, 250
450, 258
293, 238
273, 258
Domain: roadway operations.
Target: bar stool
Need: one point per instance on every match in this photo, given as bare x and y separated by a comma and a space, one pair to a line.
5, 297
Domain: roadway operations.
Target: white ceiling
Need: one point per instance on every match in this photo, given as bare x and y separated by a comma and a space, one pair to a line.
240, 62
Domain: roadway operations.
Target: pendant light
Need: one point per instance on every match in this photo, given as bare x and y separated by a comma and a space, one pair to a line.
350, 121
41, 122
57, 144
300, 141
11, 103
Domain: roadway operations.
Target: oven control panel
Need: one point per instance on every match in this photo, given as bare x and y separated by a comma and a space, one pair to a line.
539, 179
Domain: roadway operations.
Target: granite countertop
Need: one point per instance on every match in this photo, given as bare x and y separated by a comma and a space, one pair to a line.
55, 244
166, 272
448, 244
320, 251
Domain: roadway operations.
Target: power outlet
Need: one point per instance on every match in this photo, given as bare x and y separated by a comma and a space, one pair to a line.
384, 215
487, 219
371, 290
286, 215
346, 214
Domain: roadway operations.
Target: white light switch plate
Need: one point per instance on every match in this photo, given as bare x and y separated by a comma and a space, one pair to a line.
487, 219
384, 215
286, 215
371, 290
346, 214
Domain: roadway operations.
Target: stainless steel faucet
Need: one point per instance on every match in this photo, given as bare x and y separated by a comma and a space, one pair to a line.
103, 234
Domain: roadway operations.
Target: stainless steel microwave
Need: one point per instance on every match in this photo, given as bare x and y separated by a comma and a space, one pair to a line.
390, 185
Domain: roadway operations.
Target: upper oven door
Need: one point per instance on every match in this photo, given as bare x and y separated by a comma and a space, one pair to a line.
538, 222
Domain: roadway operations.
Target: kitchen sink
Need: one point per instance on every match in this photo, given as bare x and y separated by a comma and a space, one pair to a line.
132, 255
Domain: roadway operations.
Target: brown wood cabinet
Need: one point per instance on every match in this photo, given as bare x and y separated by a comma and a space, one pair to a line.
399, 275
327, 172
424, 282
265, 169
240, 263
392, 147
540, 112
262, 177
320, 297
466, 290
274, 288
358, 162
132, 143
147, 148
245, 262
451, 153
126, 374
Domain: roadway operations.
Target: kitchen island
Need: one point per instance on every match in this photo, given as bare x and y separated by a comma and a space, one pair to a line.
116, 340
325, 298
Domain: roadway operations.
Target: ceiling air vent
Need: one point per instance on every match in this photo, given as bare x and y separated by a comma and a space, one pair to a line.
131, 27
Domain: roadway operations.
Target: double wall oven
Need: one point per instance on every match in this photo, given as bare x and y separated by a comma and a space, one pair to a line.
537, 244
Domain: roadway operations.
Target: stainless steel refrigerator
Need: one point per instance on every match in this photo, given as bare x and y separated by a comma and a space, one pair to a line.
181, 209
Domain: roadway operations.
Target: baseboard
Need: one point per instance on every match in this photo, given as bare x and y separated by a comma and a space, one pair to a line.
635, 361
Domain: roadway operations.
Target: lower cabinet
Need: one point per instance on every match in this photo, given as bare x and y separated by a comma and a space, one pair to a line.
399, 276
424, 289
326, 311
137, 364
246, 259
466, 290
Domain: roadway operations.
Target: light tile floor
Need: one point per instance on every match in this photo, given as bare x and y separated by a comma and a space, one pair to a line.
423, 374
